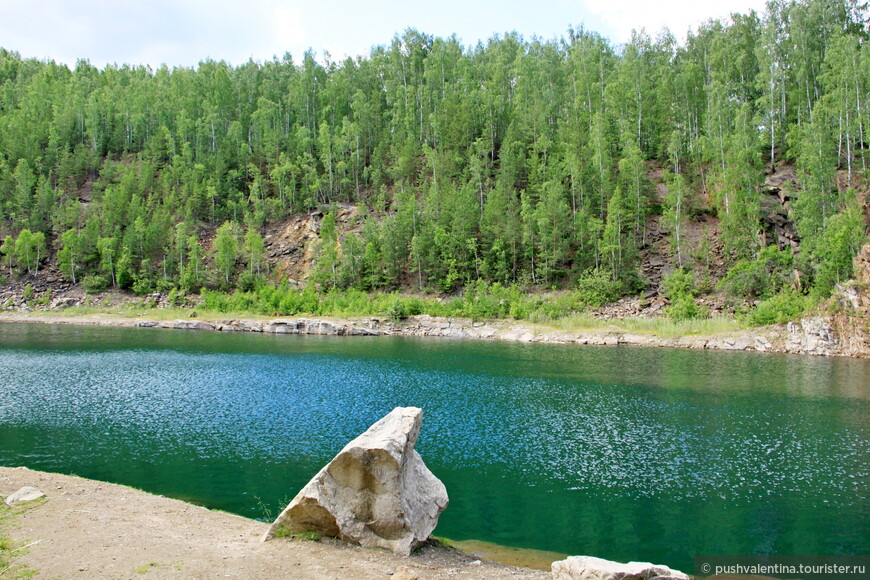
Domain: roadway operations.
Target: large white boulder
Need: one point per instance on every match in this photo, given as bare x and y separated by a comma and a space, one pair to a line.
376, 492
591, 568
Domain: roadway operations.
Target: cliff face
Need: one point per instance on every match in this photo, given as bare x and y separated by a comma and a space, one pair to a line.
851, 324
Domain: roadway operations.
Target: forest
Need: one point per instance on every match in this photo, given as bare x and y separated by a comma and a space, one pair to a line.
516, 162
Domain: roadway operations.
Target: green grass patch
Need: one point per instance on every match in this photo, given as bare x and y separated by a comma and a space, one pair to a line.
307, 535
480, 301
11, 550
145, 568
663, 327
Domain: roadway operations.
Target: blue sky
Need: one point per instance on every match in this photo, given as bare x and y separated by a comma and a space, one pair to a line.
183, 32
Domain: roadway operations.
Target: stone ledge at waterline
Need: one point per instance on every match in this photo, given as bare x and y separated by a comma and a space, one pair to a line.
814, 336
376, 492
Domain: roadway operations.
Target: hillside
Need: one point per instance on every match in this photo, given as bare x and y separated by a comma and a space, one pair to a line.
722, 173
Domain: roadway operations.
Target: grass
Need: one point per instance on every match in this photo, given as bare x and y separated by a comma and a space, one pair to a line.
137, 310
310, 535
145, 568
10, 550
577, 322
565, 311
663, 327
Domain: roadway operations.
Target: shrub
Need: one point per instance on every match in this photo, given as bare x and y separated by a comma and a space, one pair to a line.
684, 307
397, 311
679, 282
596, 287
762, 277
95, 283
783, 307
176, 297
679, 288
142, 286
248, 281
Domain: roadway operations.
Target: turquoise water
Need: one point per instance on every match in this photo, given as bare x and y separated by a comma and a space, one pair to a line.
621, 453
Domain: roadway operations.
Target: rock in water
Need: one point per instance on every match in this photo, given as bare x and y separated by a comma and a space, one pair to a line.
376, 492
23, 495
591, 568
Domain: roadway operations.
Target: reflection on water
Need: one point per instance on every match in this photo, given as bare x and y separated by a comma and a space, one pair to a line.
622, 453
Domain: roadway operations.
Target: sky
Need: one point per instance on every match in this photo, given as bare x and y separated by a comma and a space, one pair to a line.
185, 32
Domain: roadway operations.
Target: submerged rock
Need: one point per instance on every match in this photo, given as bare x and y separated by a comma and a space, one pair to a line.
376, 492
24, 494
591, 568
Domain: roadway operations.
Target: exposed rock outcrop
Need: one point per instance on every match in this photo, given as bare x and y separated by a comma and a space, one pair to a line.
861, 265
851, 323
321, 327
66, 302
376, 492
591, 568
812, 336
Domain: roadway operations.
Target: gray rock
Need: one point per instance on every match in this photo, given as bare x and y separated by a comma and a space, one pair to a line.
24, 494
283, 327
591, 568
376, 492
59, 303
249, 326
191, 325
324, 327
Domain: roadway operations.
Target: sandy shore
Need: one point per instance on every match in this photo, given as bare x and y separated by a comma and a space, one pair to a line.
91, 529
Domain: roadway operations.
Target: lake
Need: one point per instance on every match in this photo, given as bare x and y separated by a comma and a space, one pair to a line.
617, 452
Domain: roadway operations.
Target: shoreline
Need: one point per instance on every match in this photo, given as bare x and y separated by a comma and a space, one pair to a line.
111, 530
816, 336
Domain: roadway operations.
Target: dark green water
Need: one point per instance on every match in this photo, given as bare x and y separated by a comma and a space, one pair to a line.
621, 453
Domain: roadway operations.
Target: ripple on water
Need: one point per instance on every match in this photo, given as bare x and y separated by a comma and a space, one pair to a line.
548, 448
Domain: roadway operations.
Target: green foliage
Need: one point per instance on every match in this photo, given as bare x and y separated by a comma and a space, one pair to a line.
176, 297
679, 282
783, 307
95, 283
679, 288
306, 535
842, 238
512, 161
398, 311
249, 281
768, 274
596, 288
27, 293
8, 251
684, 307
255, 248
29, 249
70, 252
226, 250
143, 285
481, 300
11, 550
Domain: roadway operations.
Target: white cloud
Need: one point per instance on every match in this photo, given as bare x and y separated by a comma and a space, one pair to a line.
677, 15
287, 29
175, 32
184, 32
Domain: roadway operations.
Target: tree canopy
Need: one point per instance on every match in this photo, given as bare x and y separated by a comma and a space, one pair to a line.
512, 160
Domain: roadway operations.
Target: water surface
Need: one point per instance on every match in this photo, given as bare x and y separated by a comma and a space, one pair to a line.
623, 453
